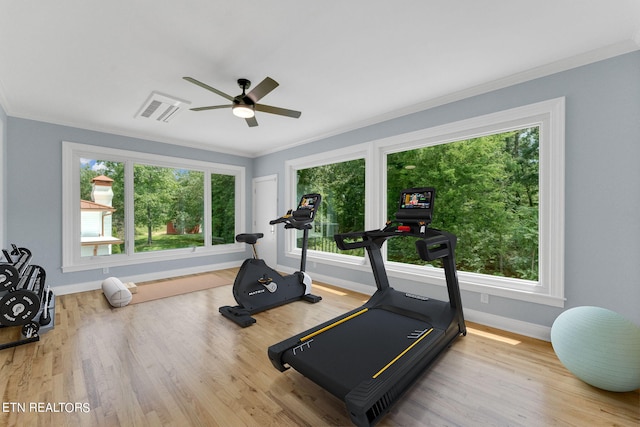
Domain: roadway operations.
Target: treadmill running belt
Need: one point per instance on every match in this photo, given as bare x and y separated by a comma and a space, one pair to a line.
343, 356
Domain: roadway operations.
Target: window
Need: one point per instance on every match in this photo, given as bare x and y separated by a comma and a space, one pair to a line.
342, 188
168, 208
101, 207
499, 182
487, 195
223, 215
340, 178
452, 143
130, 207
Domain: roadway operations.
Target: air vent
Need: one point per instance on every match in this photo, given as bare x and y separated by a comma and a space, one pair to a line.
161, 108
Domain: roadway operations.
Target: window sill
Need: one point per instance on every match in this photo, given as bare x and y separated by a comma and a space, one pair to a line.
97, 262
515, 289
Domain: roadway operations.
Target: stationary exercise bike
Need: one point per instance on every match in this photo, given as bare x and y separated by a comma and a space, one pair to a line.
259, 287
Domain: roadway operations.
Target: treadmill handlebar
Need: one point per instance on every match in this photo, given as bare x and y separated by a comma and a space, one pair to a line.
437, 246
346, 241
362, 239
431, 244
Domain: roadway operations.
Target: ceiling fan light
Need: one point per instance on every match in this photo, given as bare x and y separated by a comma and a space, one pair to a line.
243, 111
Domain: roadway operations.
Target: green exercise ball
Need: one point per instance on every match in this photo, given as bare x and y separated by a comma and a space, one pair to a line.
599, 346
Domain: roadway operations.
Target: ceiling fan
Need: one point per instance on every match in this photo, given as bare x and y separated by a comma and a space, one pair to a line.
246, 104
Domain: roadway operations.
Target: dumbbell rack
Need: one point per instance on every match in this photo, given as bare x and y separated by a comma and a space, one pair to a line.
25, 300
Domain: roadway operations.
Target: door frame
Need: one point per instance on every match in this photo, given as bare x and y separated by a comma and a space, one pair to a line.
273, 207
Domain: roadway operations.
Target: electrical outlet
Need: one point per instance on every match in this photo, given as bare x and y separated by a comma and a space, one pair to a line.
484, 298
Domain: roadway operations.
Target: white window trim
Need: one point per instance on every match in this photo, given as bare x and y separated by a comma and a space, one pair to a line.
72, 153
355, 152
549, 116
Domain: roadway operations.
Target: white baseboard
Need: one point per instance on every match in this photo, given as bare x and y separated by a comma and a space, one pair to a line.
335, 281
507, 324
91, 286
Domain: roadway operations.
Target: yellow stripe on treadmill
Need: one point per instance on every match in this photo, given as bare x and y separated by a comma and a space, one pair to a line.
401, 354
319, 331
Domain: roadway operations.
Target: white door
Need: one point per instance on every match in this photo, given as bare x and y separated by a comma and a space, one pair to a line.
265, 208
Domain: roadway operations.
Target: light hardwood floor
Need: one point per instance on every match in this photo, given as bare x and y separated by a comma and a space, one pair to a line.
178, 362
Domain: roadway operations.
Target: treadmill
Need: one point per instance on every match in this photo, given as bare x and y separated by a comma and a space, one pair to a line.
370, 356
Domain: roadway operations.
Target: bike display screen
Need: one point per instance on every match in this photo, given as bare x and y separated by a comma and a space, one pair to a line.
308, 201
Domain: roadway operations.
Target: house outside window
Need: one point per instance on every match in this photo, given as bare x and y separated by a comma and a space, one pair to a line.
96, 220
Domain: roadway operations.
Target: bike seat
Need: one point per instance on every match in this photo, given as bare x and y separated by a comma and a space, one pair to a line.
250, 238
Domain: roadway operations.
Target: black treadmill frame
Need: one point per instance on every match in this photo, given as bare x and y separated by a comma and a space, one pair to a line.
368, 402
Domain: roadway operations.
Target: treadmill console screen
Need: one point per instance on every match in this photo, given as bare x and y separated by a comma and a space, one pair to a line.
416, 199
416, 204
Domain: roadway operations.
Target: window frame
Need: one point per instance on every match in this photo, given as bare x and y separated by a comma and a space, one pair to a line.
72, 153
549, 116
360, 151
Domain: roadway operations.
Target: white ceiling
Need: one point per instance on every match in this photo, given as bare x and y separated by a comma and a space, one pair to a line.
345, 64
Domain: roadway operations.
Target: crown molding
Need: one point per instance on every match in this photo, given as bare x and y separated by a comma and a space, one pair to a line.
586, 58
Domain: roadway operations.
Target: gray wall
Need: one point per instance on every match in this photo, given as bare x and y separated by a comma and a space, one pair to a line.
602, 235
34, 195
602, 196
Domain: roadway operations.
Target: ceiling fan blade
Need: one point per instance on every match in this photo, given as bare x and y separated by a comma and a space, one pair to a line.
207, 87
263, 88
251, 121
277, 110
211, 107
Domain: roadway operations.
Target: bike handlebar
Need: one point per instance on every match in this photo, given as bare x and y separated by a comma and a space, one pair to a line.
290, 221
